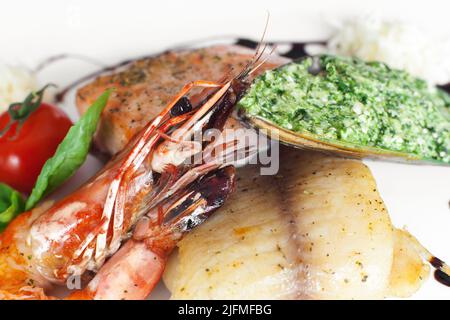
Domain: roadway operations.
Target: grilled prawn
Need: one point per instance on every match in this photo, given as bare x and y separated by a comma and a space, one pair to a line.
148, 195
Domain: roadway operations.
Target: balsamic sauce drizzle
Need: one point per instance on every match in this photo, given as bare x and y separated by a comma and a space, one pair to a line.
442, 277
439, 275
298, 49
445, 87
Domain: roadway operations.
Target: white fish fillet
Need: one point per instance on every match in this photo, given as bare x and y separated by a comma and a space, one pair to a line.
318, 230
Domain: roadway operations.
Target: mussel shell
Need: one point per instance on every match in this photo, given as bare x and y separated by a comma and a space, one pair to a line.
313, 142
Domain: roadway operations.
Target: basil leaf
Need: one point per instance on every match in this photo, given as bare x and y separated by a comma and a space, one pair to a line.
70, 154
11, 204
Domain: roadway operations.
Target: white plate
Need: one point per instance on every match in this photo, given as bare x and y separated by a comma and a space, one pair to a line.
417, 196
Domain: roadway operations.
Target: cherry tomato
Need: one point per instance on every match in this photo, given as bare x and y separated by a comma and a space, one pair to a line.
23, 153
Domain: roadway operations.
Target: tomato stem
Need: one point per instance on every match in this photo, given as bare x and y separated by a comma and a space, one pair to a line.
20, 111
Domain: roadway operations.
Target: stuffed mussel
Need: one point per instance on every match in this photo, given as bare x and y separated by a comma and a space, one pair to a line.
353, 108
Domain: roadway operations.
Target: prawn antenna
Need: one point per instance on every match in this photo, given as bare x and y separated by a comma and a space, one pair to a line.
259, 52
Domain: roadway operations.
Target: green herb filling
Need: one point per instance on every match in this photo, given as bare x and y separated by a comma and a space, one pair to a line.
349, 101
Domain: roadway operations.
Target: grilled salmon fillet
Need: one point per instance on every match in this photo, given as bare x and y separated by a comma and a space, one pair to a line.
148, 85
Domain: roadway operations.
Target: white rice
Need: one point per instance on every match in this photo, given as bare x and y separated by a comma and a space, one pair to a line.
399, 44
15, 84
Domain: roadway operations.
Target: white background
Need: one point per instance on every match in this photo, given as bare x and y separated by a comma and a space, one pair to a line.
416, 196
